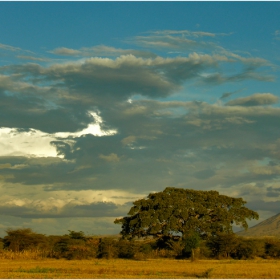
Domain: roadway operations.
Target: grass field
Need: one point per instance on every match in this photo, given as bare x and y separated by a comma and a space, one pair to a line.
155, 268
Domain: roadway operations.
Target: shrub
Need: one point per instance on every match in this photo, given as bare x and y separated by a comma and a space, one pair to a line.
126, 249
191, 243
75, 247
23, 239
107, 248
177, 247
249, 248
272, 247
223, 245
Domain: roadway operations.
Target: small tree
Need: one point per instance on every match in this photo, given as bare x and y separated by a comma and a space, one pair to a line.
23, 239
272, 247
77, 235
192, 242
223, 244
107, 248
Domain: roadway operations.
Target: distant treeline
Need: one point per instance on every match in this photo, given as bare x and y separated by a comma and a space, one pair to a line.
76, 245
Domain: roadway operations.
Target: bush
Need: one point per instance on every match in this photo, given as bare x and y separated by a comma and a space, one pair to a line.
191, 243
18, 240
107, 248
75, 246
204, 251
223, 245
245, 250
126, 249
177, 247
77, 235
249, 248
272, 247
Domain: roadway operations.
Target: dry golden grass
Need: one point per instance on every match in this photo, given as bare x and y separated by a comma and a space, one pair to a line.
154, 268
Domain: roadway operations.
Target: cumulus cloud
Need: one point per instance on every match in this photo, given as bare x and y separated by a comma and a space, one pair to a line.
31, 142
86, 136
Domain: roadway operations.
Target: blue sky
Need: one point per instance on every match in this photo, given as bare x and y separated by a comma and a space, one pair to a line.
105, 102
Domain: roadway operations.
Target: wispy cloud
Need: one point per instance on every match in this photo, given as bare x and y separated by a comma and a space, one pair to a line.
101, 50
32, 58
183, 40
277, 34
9, 48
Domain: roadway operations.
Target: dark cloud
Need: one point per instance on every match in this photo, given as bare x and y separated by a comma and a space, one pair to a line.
258, 99
204, 174
273, 192
158, 143
99, 209
261, 205
228, 94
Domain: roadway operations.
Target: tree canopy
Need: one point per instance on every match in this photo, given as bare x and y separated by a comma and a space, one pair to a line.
181, 211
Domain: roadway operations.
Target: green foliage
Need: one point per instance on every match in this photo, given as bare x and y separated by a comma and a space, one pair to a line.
180, 211
126, 249
192, 241
146, 248
23, 239
1, 244
107, 248
245, 250
223, 245
75, 246
177, 246
77, 235
272, 248
204, 250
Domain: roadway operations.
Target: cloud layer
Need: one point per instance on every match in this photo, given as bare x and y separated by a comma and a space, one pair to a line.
84, 136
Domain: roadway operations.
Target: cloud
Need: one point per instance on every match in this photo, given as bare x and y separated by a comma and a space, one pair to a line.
277, 34
228, 94
33, 58
189, 33
110, 158
257, 99
86, 135
184, 40
9, 48
101, 50
66, 204
259, 205
37, 143
65, 51
37, 210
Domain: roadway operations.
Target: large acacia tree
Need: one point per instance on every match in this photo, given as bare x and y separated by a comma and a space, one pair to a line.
177, 211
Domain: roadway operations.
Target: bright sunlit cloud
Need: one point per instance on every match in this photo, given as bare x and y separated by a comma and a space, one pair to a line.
35, 143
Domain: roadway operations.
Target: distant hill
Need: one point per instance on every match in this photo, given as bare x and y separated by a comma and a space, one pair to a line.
268, 227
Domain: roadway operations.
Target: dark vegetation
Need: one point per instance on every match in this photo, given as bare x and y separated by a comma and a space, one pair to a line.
175, 223
76, 245
180, 212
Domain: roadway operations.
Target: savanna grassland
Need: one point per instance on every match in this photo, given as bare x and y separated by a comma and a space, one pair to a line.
151, 268
25, 254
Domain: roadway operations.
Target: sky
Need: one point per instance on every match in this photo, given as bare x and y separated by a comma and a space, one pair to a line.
102, 103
